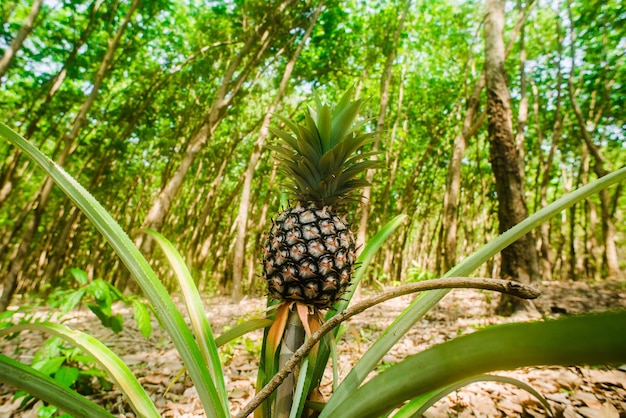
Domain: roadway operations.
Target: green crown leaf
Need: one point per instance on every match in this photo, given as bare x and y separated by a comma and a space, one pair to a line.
324, 156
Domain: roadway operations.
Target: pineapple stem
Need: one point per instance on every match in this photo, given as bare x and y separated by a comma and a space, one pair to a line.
293, 338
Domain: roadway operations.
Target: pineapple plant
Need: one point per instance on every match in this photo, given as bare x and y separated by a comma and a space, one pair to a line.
309, 253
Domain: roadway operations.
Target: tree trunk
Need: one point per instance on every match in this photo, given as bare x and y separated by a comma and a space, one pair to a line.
452, 193
393, 155
451, 198
543, 177
17, 42
16, 264
522, 114
385, 86
259, 40
519, 260
544, 172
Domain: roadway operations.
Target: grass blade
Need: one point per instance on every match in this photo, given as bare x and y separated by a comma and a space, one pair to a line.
132, 258
299, 392
242, 329
195, 309
106, 359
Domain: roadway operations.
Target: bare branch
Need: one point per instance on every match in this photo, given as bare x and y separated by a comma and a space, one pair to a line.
503, 286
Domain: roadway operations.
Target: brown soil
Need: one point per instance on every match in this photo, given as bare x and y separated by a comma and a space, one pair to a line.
572, 392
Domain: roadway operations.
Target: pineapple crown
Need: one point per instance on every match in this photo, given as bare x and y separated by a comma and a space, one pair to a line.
323, 156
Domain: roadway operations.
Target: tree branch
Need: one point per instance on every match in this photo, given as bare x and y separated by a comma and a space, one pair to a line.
503, 286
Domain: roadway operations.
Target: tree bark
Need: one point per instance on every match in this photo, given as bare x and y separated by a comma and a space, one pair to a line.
452, 193
471, 124
522, 113
546, 257
519, 260
17, 42
543, 176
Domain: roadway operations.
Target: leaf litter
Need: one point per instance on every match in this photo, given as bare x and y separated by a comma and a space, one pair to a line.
573, 392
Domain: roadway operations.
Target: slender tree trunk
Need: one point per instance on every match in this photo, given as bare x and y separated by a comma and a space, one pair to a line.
522, 113
519, 260
62, 241
10, 174
544, 176
452, 193
471, 124
17, 263
393, 160
246, 192
385, 87
204, 218
259, 40
611, 259
394, 150
17, 42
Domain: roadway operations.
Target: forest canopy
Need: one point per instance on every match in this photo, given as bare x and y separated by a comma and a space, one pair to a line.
161, 110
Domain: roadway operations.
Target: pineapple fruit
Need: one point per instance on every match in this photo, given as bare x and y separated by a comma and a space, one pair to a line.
309, 253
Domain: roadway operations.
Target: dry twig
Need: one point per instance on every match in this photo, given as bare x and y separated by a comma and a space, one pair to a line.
503, 286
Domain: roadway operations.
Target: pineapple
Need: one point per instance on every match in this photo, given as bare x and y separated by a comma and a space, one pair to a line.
309, 253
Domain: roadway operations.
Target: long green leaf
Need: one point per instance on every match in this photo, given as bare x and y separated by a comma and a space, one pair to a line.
195, 310
427, 300
242, 329
301, 388
47, 389
587, 339
132, 258
108, 361
418, 406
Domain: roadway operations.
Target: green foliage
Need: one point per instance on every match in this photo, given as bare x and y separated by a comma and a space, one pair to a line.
100, 296
416, 274
162, 81
166, 73
69, 368
602, 336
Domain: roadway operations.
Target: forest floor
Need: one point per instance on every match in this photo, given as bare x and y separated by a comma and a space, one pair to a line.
572, 391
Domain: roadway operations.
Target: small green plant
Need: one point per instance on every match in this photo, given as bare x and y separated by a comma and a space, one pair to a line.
419, 379
70, 368
100, 296
66, 365
416, 274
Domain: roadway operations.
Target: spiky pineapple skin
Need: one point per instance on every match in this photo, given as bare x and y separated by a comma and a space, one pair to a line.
309, 256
